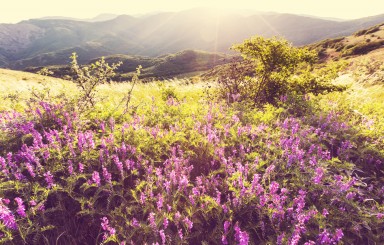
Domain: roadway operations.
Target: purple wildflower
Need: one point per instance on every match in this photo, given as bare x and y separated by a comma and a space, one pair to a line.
30, 169
152, 221
177, 217
135, 223
180, 232
160, 201
49, 179
324, 238
81, 167
46, 155
20, 207
143, 197
310, 242
80, 141
338, 235
313, 161
96, 178
325, 212
241, 237
295, 237
89, 140
269, 170
112, 124
224, 239
227, 224
165, 223
41, 207
118, 163
162, 235
7, 217
273, 187
107, 176
3, 166
319, 175
280, 238
188, 223
106, 227
350, 195
102, 127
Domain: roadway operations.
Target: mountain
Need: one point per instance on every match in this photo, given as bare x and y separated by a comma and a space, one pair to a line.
41, 42
98, 18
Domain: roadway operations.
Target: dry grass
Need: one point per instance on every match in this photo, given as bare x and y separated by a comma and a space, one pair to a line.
18, 81
17, 88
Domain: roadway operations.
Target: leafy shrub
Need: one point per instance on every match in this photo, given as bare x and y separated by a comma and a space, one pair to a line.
280, 69
168, 92
87, 78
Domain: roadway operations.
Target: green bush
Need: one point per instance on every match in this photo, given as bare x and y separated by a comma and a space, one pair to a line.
280, 70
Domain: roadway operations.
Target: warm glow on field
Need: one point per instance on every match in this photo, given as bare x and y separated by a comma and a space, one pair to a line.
17, 10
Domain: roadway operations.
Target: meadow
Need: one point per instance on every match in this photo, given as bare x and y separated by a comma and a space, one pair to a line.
170, 163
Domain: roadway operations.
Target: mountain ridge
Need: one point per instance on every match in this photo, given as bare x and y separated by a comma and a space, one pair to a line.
51, 41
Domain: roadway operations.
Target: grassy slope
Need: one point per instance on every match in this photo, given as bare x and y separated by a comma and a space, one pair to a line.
360, 43
16, 87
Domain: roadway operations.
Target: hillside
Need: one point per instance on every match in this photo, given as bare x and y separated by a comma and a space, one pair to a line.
166, 66
360, 43
42, 42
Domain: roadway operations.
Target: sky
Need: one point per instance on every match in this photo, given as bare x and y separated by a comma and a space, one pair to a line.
14, 11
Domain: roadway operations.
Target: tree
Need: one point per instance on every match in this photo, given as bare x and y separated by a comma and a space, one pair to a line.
280, 69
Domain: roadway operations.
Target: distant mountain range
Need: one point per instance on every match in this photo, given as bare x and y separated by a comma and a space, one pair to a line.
98, 18
50, 41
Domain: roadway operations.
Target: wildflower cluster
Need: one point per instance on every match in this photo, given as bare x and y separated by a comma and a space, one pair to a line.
168, 175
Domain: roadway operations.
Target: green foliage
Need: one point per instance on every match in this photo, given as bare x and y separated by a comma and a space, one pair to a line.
317, 81
168, 92
280, 70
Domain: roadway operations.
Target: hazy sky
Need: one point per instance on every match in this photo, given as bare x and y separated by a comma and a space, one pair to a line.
13, 11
